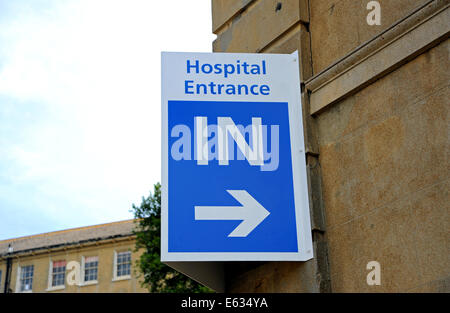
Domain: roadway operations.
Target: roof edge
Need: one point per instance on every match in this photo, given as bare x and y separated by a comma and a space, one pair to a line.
57, 232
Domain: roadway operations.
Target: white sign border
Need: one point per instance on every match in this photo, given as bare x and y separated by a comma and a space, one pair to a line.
301, 199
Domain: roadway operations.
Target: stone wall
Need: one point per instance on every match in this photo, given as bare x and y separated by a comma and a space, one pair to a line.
384, 157
375, 104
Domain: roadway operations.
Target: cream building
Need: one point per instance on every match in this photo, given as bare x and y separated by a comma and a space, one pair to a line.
98, 258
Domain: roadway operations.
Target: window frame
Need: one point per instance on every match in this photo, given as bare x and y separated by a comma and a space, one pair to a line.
83, 273
19, 279
115, 266
50, 286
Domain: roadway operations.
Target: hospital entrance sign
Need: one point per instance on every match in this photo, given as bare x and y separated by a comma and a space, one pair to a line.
234, 184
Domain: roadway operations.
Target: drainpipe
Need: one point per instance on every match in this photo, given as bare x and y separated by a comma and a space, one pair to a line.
7, 287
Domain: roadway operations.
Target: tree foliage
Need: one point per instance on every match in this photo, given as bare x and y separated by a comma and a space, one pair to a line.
157, 277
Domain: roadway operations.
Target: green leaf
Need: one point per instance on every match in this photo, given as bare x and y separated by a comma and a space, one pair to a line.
157, 277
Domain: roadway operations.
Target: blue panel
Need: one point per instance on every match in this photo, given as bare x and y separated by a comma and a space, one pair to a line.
205, 185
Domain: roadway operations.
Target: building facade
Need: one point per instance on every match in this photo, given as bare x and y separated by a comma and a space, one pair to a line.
375, 94
98, 258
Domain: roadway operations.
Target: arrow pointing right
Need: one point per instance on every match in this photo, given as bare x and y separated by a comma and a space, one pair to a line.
252, 213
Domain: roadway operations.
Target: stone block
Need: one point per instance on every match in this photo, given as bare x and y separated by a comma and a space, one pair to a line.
394, 236
271, 277
262, 24
223, 10
338, 27
441, 286
432, 235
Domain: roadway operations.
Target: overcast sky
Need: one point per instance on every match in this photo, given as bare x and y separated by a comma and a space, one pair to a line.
80, 105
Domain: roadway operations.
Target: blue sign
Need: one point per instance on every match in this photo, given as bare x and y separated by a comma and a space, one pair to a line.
234, 173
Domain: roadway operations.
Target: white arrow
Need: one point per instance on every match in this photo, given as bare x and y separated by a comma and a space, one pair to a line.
252, 213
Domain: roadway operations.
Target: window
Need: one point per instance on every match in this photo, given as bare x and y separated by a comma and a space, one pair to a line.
123, 264
58, 273
90, 268
26, 278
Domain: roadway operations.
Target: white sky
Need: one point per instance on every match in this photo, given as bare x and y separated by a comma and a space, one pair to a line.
80, 105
